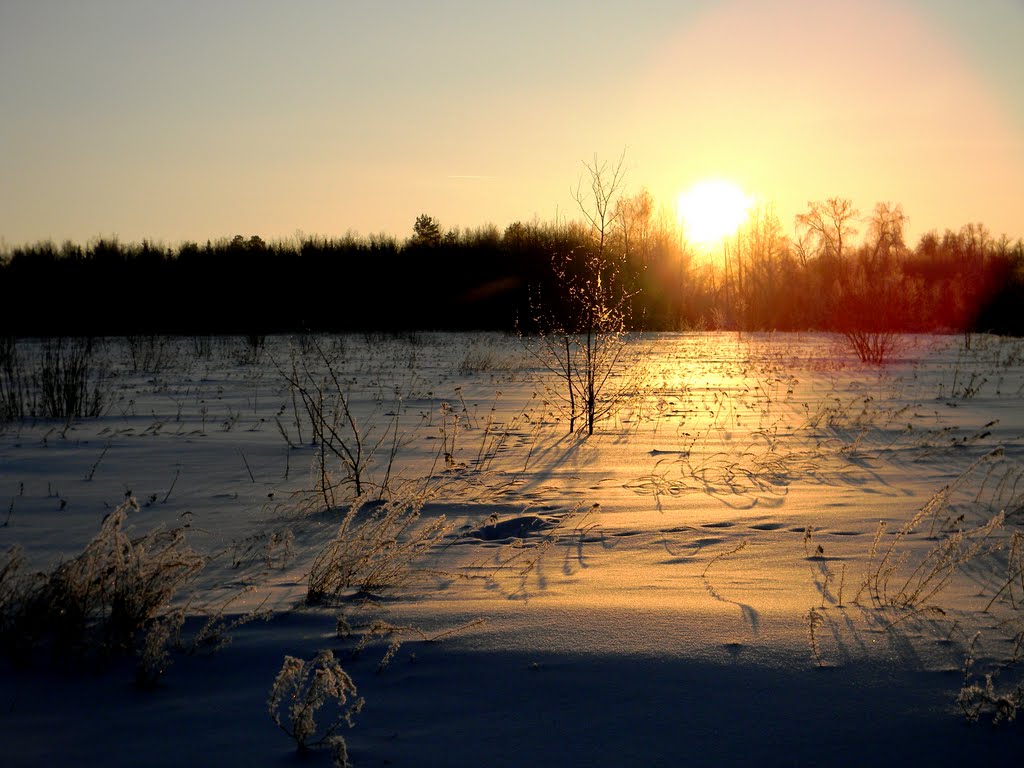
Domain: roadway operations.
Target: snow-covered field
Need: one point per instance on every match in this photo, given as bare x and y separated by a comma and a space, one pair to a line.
704, 581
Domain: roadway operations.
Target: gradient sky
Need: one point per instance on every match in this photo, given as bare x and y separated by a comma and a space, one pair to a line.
200, 119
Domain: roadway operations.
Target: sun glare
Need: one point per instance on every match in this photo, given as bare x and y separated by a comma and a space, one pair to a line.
712, 210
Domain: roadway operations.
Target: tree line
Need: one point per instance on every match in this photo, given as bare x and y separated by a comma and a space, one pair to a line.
837, 269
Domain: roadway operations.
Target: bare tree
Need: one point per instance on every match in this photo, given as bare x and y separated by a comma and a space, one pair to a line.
870, 299
634, 216
885, 239
759, 250
829, 223
599, 205
584, 343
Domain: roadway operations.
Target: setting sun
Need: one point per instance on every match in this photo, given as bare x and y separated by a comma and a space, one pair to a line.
711, 210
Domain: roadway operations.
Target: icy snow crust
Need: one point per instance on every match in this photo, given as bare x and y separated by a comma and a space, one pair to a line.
647, 592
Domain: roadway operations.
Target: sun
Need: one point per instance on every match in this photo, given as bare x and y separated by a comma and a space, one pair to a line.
712, 210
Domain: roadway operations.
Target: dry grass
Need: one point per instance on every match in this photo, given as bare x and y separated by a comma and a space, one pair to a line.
374, 548
983, 699
99, 601
898, 577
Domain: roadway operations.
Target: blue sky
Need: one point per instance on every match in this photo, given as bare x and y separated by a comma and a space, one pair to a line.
195, 120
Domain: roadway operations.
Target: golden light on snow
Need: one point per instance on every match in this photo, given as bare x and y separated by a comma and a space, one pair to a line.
712, 210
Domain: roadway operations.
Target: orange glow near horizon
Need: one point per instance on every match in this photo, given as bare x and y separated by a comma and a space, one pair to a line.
914, 102
804, 118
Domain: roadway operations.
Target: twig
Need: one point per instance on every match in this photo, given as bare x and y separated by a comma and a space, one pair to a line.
720, 555
247, 469
88, 477
814, 620
175, 480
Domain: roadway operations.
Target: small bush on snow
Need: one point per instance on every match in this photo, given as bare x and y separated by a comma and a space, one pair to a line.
301, 690
101, 599
374, 548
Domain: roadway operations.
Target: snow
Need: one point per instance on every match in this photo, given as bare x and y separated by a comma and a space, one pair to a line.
640, 597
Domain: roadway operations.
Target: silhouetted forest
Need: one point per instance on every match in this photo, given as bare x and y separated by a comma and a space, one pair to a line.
838, 270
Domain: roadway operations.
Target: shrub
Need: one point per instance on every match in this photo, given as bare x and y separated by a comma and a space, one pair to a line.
149, 353
979, 700
373, 549
336, 431
874, 347
100, 600
581, 339
252, 348
202, 347
14, 393
69, 383
301, 690
61, 382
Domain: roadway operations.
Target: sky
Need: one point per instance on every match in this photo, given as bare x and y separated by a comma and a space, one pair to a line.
199, 120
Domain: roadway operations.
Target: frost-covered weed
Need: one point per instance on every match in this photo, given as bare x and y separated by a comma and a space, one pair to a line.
903, 578
154, 656
101, 599
215, 632
374, 548
394, 634
977, 700
302, 689
271, 549
814, 621
339, 752
983, 699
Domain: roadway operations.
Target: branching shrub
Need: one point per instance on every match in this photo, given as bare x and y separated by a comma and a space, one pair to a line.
202, 347
15, 396
149, 353
69, 383
62, 382
336, 431
874, 347
253, 345
301, 690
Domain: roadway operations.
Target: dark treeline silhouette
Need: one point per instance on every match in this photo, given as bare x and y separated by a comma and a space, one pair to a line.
838, 271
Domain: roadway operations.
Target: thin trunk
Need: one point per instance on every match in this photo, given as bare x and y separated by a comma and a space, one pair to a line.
572, 388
